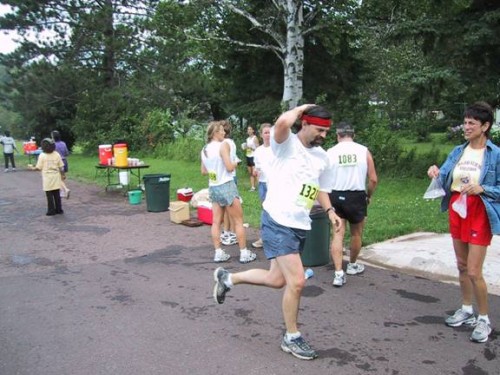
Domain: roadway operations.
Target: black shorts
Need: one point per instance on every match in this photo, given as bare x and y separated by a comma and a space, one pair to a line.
350, 205
250, 162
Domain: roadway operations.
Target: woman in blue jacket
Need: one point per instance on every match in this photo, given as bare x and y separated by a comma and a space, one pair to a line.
470, 177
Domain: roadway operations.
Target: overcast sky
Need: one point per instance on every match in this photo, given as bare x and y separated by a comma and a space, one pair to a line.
7, 45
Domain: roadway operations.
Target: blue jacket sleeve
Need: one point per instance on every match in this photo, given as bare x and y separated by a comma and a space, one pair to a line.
491, 179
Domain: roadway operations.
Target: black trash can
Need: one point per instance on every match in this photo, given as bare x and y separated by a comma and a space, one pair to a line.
157, 188
317, 246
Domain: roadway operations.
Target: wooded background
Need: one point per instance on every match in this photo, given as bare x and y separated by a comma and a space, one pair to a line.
151, 72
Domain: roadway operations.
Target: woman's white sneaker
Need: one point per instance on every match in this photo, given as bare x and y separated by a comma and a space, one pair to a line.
247, 256
481, 332
221, 256
460, 317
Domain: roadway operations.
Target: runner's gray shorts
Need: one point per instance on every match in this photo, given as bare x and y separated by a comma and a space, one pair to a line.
280, 240
223, 194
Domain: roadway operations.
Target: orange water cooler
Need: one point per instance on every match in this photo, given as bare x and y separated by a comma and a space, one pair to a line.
121, 155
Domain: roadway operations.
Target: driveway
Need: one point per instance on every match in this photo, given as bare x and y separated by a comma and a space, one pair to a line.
109, 288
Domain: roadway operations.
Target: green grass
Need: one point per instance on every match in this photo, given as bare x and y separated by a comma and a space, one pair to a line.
437, 140
397, 208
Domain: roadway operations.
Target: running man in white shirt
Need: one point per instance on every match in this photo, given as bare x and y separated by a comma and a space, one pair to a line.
351, 164
299, 175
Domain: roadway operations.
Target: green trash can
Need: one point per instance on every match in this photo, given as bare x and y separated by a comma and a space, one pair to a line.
157, 187
317, 246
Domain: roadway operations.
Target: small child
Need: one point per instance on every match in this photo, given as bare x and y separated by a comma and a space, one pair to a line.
52, 167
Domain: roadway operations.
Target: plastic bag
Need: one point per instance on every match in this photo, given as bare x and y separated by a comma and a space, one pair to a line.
62, 191
460, 206
200, 196
435, 190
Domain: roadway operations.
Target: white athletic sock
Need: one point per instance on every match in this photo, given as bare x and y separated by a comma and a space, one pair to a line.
484, 317
229, 281
339, 273
290, 336
467, 308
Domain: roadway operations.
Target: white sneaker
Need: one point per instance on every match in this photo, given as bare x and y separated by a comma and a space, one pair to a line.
247, 256
226, 234
229, 239
221, 256
339, 280
460, 317
481, 332
354, 268
6, 170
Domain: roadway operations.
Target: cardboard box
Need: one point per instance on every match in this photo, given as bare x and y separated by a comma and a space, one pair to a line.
205, 215
179, 211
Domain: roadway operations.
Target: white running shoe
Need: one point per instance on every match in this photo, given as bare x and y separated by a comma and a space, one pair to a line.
229, 239
339, 280
481, 332
247, 256
221, 256
460, 317
354, 268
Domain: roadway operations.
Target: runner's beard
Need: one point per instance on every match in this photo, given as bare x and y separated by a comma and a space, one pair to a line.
318, 141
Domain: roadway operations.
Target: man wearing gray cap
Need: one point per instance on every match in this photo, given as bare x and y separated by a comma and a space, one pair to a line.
351, 165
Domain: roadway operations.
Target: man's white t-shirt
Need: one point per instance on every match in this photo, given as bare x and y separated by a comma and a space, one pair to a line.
349, 164
296, 176
8, 145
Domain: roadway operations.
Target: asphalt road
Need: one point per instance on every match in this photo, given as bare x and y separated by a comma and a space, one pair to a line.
109, 288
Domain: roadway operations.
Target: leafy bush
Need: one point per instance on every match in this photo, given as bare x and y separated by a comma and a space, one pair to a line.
185, 149
420, 127
393, 160
157, 128
455, 133
495, 135
125, 129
